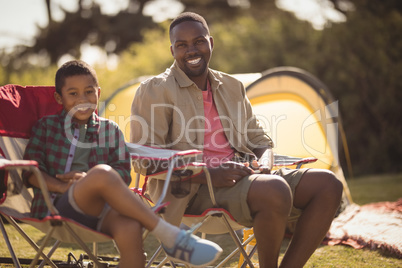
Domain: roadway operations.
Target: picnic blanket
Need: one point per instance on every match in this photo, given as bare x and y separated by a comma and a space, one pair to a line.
374, 226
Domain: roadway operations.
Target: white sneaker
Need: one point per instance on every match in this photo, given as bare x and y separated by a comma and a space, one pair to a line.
192, 250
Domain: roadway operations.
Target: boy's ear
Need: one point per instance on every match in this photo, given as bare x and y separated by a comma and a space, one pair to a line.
58, 98
99, 92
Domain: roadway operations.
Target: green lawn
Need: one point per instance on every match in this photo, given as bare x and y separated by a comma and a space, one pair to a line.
363, 189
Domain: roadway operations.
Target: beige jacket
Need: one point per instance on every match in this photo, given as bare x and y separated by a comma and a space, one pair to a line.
169, 112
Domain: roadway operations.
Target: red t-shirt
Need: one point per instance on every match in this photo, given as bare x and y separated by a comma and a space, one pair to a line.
216, 146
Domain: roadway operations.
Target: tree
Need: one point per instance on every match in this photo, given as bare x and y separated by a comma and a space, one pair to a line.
359, 60
114, 33
361, 63
88, 24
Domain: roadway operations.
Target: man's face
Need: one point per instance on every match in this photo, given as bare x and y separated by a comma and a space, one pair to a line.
191, 48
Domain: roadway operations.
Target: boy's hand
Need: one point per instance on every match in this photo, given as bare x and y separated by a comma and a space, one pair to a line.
71, 176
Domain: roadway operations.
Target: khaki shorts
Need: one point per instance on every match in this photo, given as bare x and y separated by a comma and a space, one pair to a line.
234, 199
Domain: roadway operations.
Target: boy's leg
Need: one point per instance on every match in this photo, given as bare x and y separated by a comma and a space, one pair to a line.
318, 194
128, 236
103, 185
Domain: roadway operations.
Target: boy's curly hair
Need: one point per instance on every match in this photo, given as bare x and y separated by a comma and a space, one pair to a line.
72, 68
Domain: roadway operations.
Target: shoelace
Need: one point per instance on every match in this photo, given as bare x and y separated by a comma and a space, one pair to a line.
184, 243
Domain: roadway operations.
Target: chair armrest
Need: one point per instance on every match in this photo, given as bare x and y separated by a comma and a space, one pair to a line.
31, 166
173, 160
285, 160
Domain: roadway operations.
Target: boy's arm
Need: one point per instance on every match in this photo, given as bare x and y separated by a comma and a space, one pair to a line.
119, 157
35, 150
53, 184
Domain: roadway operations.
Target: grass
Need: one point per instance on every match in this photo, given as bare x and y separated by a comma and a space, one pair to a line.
363, 189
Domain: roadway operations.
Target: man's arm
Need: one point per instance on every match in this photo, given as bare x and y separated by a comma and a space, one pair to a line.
150, 116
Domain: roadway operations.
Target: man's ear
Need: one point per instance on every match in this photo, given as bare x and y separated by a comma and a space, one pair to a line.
171, 51
211, 40
99, 92
58, 98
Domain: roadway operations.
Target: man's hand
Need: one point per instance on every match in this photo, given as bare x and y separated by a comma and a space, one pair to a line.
259, 168
227, 174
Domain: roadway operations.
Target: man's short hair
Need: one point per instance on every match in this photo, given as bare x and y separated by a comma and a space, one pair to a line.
72, 68
188, 16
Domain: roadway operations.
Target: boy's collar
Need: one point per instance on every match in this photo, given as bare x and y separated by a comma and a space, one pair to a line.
92, 125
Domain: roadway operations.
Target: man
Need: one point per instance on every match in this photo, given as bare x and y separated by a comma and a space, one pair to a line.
191, 106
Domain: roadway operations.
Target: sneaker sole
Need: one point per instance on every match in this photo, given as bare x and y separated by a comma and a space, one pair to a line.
193, 265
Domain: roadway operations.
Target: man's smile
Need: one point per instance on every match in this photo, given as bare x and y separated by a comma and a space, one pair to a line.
194, 61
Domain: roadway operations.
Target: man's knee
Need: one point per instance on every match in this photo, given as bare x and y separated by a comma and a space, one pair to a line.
331, 188
270, 192
333, 185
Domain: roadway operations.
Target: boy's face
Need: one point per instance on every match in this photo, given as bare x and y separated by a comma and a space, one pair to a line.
191, 47
79, 95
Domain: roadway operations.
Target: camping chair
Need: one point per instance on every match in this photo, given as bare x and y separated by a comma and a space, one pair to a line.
20, 108
215, 220
219, 221
177, 166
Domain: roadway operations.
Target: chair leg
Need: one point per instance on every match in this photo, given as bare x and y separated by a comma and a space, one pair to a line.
165, 260
50, 253
115, 247
42, 247
152, 259
10, 247
83, 246
161, 264
234, 252
29, 240
244, 265
238, 242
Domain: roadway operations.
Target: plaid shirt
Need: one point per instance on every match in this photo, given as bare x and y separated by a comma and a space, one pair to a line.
52, 146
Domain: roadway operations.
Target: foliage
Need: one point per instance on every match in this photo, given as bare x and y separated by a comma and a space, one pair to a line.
31, 76
88, 24
149, 58
262, 43
359, 60
361, 63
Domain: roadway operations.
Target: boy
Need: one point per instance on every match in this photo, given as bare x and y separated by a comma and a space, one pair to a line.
86, 165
